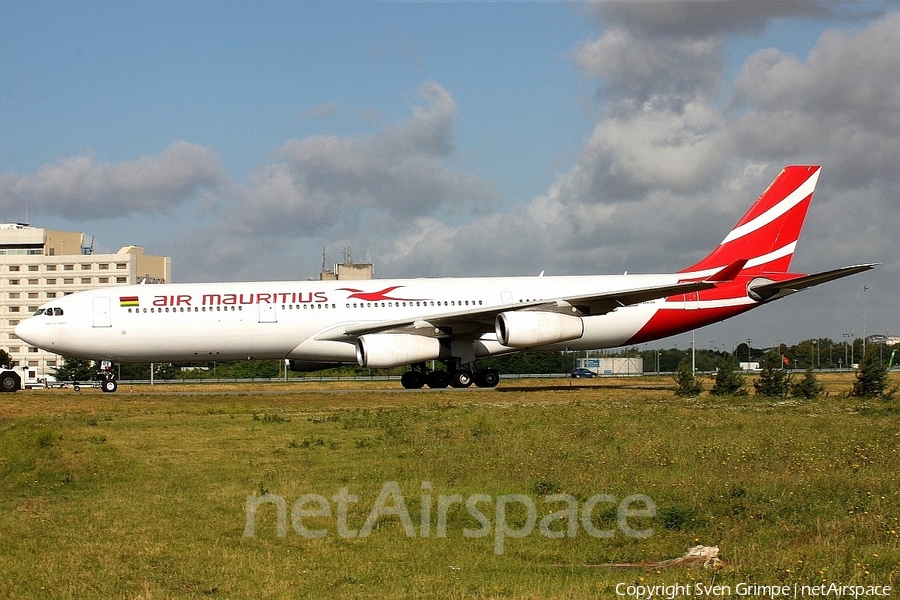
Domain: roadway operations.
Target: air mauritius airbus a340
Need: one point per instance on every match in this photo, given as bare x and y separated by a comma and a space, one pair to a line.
388, 323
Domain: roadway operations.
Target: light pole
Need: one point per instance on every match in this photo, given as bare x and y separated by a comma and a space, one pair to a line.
749, 341
693, 354
849, 336
865, 313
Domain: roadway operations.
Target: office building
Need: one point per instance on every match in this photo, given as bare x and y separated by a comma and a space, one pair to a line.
37, 265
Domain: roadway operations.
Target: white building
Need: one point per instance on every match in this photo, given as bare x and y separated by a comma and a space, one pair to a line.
612, 366
37, 265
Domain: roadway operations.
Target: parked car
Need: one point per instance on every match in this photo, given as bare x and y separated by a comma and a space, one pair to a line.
582, 372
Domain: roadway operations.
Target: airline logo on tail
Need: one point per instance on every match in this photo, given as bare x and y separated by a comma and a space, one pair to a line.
767, 235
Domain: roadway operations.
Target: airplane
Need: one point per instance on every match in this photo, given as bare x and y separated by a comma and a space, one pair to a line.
315, 325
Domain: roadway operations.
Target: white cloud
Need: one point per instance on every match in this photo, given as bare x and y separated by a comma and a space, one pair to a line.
321, 111
842, 105
660, 74
661, 180
81, 187
325, 188
702, 18
331, 183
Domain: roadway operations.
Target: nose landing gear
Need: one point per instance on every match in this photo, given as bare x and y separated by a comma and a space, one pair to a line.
107, 377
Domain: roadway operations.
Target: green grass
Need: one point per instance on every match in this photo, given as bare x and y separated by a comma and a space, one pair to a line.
143, 494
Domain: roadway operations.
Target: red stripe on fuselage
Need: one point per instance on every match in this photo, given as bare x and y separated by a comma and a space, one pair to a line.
672, 321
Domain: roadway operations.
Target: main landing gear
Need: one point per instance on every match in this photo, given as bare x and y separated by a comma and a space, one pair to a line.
456, 376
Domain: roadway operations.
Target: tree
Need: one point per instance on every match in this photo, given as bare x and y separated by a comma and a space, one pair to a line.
134, 371
774, 381
530, 362
75, 369
808, 387
728, 381
4, 359
685, 382
872, 379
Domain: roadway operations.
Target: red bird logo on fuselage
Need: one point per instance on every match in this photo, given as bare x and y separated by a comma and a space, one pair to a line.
378, 296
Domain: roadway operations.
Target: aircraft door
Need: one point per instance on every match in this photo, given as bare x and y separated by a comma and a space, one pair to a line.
102, 316
267, 313
692, 301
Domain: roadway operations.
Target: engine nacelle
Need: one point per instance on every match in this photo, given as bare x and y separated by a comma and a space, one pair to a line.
383, 350
526, 329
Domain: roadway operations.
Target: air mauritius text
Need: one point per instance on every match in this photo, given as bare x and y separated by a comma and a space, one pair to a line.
566, 517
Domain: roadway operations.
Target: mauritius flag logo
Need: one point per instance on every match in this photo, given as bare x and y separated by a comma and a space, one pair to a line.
129, 301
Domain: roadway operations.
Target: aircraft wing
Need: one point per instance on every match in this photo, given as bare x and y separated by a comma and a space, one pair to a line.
599, 304
482, 319
767, 290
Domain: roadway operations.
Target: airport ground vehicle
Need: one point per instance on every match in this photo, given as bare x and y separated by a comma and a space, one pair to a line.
10, 381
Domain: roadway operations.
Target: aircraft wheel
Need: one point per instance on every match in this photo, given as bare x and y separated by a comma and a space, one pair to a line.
487, 378
437, 379
461, 379
109, 385
412, 380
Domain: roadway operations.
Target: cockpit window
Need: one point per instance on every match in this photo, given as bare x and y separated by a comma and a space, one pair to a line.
50, 312
57, 312
39, 311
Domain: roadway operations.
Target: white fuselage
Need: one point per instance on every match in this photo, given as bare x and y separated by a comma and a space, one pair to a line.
299, 320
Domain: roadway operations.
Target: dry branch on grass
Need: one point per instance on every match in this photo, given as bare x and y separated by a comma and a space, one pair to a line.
698, 556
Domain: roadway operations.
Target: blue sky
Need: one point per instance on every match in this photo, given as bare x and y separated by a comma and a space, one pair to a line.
458, 138
127, 80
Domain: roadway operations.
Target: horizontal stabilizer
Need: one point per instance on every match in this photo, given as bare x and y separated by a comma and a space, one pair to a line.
770, 290
729, 272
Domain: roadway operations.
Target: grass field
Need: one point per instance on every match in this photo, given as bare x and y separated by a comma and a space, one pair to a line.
144, 494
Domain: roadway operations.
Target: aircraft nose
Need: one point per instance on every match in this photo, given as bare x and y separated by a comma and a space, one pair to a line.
30, 331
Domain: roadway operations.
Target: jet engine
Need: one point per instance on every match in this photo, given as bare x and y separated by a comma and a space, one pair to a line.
380, 351
526, 329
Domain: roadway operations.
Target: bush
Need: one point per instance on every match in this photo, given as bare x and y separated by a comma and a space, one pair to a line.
685, 382
872, 379
774, 381
808, 387
728, 381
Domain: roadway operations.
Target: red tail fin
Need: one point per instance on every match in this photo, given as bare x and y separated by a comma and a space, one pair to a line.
767, 235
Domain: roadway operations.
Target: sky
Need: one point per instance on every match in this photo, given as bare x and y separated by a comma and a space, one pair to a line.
461, 138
